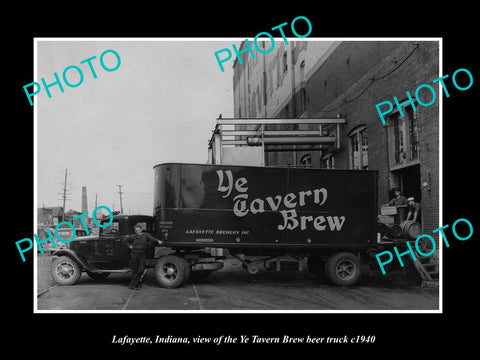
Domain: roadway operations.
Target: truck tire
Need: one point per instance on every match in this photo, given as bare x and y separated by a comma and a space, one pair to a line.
187, 268
343, 269
170, 271
65, 271
316, 266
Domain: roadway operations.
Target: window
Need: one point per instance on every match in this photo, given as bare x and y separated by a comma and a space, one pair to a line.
306, 160
413, 124
146, 225
303, 100
403, 137
328, 161
284, 62
302, 71
113, 228
359, 148
399, 133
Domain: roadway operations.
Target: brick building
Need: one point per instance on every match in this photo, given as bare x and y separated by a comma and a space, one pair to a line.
330, 79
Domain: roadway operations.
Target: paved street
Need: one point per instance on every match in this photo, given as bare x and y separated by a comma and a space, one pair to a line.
233, 288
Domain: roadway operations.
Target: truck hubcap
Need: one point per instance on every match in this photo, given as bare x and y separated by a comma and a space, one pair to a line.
65, 270
169, 272
345, 269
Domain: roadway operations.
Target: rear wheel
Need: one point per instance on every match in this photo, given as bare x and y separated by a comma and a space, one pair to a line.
65, 271
343, 269
170, 271
187, 269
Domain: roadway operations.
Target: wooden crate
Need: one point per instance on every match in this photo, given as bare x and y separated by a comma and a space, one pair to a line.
389, 210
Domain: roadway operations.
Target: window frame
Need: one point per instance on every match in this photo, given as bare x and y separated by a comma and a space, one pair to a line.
328, 161
410, 155
359, 133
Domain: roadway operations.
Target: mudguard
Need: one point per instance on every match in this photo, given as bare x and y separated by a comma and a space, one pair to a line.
67, 252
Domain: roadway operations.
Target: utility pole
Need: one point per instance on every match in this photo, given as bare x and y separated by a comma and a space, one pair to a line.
64, 196
120, 192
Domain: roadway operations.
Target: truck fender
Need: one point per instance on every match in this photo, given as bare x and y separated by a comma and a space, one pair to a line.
74, 256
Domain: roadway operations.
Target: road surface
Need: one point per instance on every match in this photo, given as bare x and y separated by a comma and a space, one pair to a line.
232, 288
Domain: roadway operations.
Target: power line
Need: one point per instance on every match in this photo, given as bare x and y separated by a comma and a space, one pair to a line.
372, 80
64, 195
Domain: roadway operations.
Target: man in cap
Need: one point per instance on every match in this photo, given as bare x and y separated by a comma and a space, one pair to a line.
138, 244
413, 210
398, 200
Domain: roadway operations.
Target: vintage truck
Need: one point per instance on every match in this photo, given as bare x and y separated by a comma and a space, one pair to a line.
277, 218
99, 254
271, 216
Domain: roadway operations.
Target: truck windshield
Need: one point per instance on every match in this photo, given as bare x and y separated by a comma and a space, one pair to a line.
113, 228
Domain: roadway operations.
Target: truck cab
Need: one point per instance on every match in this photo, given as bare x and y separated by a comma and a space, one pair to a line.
99, 254
107, 250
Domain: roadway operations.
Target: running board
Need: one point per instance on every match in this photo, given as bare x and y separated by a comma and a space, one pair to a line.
100, 271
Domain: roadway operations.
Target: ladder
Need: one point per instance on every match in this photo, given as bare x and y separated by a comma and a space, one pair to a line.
427, 267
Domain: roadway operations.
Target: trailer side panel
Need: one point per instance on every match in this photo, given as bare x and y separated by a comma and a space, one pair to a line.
261, 207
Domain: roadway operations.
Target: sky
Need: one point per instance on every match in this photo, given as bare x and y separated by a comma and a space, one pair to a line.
159, 106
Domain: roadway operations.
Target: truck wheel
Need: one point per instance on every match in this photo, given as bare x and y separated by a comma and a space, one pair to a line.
316, 266
98, 276
65, 270
188, 270
170, 271
343, 269
246, 263
251, 267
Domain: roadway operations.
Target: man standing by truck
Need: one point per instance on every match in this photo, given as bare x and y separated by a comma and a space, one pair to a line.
138, 244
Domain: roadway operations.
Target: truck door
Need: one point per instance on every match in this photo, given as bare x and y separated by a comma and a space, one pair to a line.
109, 247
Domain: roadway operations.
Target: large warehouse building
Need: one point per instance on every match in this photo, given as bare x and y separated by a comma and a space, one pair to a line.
318, 79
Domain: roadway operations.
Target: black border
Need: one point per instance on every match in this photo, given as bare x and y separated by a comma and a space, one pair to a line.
395, 333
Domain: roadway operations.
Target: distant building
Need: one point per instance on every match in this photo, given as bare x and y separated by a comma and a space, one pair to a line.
52, 216
49, 216
70, 214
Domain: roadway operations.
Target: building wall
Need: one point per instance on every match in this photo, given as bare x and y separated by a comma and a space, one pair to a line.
262, 85
348, 79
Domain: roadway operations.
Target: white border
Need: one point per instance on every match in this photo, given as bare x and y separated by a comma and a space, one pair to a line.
35, 263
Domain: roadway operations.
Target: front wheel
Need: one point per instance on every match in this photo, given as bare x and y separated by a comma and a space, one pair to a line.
170, 271
65, 271
343, 269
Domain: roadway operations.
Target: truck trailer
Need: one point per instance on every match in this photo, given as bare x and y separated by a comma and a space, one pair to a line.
280, 218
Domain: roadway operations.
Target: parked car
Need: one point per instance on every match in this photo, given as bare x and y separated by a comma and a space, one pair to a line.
65, 233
